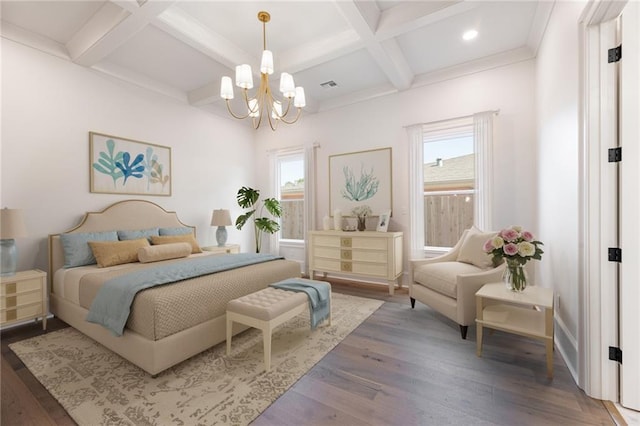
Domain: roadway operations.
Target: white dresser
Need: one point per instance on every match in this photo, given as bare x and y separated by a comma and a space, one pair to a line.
366, 254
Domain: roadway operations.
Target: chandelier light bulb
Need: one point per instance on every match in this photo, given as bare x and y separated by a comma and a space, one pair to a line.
244, 77
266, 66
287, 87
226, 88
300, 100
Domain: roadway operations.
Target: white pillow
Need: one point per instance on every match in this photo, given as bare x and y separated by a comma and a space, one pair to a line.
472, 249
163, 252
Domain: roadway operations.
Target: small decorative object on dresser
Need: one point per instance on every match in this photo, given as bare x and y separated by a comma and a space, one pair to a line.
361, 212
221, 218
24, 297
383, 221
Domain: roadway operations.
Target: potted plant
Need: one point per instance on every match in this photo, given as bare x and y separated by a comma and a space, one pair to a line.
248, 199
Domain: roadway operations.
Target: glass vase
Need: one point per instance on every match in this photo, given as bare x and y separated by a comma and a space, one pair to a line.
515, 276
362, 223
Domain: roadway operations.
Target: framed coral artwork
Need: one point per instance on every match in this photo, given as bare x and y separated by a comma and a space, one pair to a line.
125, 166
360, 178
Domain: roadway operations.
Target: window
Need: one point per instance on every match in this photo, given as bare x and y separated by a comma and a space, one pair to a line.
449, 185
449, 180
290, 171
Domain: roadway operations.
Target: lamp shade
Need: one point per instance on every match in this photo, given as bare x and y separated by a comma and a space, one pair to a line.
12, 224
221, 217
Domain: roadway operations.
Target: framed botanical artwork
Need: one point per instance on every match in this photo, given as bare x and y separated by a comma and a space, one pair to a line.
360, 179
125, 166
383, 221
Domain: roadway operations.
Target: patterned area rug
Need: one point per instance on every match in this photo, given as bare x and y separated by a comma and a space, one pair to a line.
98, 387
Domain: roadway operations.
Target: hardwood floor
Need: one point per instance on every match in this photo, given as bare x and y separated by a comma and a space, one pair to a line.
400, 367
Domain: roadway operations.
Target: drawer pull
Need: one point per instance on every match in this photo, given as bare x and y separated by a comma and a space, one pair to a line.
345, 242
345, 254
345, 266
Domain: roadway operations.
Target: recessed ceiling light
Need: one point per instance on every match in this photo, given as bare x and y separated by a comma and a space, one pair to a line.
470, 35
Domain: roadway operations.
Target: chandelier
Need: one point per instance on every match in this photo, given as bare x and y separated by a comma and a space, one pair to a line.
264, 102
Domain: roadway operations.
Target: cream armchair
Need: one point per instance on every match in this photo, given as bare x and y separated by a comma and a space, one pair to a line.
448, 283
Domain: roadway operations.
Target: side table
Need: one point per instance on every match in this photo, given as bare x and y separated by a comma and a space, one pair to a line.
528, 313
23, 296
229, 248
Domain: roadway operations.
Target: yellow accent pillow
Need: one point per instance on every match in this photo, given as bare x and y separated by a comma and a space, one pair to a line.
163, 252
168, 239
109, 253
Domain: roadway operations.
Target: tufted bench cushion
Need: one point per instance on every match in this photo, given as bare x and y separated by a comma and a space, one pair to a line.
267, 304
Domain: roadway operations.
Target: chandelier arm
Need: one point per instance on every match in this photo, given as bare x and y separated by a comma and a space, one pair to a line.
295, 119
239, 117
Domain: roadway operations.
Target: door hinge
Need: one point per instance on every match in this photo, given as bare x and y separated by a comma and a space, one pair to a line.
615, 154
614, 54
615, 354
615, 254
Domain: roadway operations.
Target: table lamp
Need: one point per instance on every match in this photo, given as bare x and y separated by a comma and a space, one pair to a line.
11, 227
221, 218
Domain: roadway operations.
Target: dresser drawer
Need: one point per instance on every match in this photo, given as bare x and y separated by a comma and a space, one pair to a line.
16, 299
12, 288
21, 312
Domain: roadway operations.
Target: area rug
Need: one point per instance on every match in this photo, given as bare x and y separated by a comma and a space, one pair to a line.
98, 387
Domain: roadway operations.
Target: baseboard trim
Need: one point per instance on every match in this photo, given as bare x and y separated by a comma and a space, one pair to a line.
567, 346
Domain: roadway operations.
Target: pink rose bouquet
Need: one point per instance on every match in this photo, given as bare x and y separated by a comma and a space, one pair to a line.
514, 245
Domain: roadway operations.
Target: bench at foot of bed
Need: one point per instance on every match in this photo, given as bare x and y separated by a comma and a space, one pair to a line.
265, 310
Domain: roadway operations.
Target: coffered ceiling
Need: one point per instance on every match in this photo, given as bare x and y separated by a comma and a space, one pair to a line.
182, 48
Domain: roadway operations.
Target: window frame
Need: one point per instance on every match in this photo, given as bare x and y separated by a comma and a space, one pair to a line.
279, 158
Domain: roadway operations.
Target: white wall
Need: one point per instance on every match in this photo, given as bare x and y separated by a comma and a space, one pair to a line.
557, 95
380, 123
49, 105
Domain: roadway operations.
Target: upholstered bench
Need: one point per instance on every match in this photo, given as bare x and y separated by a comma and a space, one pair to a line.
265, 310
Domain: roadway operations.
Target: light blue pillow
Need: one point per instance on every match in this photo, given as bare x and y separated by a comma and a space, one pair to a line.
138, 233
77, 251
180, 230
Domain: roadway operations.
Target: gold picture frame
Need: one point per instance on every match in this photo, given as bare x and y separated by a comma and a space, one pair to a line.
125, 166
361, 178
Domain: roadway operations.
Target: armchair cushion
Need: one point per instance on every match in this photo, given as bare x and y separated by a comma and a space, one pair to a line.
442, 276
472, 251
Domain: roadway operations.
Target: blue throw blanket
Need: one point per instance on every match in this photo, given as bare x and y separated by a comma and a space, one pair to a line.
112, 303
317, 292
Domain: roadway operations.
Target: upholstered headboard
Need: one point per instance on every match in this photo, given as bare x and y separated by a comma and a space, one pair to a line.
123, 215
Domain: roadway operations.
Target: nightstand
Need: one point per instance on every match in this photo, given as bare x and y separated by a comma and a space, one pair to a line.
229, 248
23, 296
528, 313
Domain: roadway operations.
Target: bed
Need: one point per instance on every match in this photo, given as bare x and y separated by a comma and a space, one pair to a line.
168, 323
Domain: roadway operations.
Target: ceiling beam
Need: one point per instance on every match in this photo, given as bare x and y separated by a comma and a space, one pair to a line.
388, 56
110, 27
187, 29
